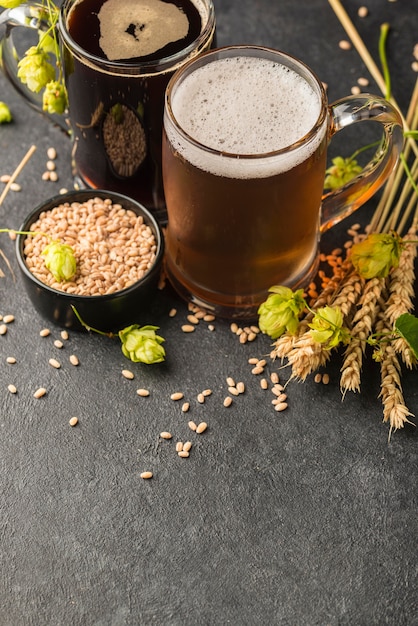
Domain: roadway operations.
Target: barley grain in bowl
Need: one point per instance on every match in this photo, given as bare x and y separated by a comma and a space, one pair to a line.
117, 246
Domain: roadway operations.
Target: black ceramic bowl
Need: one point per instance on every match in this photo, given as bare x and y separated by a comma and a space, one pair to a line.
108, 313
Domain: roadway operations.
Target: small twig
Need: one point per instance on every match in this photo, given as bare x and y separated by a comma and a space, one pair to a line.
384, 30
17, 172
9, 267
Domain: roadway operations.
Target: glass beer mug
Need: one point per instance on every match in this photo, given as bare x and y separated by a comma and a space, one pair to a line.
116, 65
244, 160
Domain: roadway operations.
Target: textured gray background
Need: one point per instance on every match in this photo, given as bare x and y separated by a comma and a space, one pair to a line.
303, 518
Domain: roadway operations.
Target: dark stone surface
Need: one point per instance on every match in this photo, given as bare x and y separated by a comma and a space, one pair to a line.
303, 518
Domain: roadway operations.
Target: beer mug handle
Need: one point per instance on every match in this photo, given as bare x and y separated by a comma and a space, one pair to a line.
340, 203
31, 16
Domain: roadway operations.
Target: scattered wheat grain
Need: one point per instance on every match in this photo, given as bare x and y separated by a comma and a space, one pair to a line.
241, 387
128, 374
281, 406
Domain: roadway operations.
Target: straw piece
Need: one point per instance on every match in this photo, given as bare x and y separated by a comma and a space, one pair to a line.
17, 172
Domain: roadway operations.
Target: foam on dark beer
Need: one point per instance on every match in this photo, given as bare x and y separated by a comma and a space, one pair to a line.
133, 29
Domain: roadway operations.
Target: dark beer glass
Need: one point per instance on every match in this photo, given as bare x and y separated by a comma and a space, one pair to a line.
116, 107
116, 98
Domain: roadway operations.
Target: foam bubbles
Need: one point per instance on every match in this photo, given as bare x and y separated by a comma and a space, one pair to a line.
245, 105
137, 28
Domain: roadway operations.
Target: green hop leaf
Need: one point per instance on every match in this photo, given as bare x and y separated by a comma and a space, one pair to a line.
54, 98
341, 172
376, 255
35, 71
327, 327
142, 344
48, 44
60, 260
407, 327
5, 113
280, 312
10, 4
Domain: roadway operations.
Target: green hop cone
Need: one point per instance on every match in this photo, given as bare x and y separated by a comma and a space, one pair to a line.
280, 312
60, 260
54, 98
341, 172
5, 114
10, 4
35, 71
327, 327
142, 344
375, 256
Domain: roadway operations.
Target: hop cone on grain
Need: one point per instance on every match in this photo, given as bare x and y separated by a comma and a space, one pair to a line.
142, 344
60, 260
327, 327
280, 312
376, 255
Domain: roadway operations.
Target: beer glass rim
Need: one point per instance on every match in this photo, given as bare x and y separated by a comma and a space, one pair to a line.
143, 67
250, 50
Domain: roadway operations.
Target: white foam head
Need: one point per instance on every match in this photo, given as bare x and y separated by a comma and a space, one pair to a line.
245, 106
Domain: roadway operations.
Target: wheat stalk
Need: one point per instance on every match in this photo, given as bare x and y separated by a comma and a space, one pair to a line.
362, 326
395, 410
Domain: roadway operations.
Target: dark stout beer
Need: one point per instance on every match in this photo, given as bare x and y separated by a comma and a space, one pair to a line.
118, 57
243, 216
